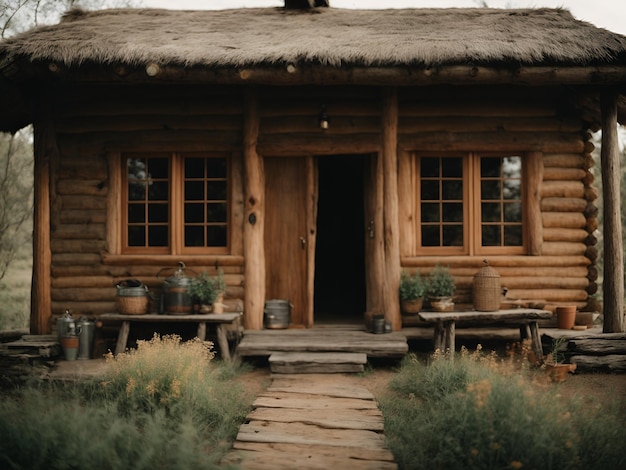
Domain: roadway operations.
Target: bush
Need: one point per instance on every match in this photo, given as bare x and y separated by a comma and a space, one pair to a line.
472, 412
164, 405
411, 286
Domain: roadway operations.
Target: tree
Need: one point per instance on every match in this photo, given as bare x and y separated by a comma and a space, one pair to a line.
16, 191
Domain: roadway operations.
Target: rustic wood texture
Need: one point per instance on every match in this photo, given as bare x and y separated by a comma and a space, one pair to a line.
267, 342
297, 429
316, 362
95, 122
613, 285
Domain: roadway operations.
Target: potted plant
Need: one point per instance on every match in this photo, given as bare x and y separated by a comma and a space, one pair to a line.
203, 291
553, 364
440, 289
220, 291
412, 290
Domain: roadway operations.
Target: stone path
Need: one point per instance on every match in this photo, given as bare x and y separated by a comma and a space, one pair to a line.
312, 421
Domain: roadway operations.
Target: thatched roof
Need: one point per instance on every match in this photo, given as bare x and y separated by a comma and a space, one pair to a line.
318, 39
335, 37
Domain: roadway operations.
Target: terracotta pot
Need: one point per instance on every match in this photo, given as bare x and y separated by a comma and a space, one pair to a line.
412, 306
566, 317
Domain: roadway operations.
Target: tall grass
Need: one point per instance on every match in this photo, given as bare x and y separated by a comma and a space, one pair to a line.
164, 405
475, 411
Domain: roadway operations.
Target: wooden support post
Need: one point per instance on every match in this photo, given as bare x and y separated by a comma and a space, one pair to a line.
613, 283
222, 340
254, 177
41, 299
390, 204
122, 338
201, 334
439, 337
533, 172
449, 340
536, 339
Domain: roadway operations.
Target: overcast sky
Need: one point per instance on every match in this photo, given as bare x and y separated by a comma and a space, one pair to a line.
609, 14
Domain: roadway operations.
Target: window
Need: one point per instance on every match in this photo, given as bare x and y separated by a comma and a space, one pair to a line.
469, 204
175, 203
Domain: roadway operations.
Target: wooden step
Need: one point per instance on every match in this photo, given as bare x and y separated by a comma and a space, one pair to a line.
316, 362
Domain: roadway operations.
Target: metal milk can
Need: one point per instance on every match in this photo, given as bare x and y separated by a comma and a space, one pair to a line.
86, 330
63, 324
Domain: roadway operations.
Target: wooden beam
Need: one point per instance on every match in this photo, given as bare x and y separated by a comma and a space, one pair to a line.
41, 301
390, 204
254, 219
613, 283
533, 169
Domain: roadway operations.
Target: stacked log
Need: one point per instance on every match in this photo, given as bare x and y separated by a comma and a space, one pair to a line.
606, 352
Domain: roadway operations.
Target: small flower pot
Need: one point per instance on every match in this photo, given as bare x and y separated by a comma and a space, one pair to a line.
411, 307
566, 317
442, 304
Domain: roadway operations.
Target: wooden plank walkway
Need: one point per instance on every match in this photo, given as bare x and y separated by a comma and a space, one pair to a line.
315, 421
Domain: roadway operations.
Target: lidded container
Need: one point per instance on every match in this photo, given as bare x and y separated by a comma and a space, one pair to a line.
63, 324
175, 297
86, 331
486, 289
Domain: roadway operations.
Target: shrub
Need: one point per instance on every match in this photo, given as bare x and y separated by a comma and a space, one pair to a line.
440, 282
473, 412
164, 405
411, 286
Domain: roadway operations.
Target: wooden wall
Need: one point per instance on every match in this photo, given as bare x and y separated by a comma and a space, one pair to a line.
560, 267
93, 122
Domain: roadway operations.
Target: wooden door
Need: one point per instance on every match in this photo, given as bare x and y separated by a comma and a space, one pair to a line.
286, 236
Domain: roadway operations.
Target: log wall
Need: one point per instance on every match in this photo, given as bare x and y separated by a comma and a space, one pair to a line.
559, 266
92, 122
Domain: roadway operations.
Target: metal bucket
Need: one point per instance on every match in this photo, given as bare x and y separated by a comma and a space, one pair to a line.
86, 330
175, 298
277, 314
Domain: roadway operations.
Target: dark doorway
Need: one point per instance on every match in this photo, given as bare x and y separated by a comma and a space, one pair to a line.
340, 244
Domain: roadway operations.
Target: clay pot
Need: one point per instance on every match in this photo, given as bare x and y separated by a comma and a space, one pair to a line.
566, 317
412, 307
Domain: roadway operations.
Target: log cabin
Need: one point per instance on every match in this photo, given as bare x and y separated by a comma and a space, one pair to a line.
313, 153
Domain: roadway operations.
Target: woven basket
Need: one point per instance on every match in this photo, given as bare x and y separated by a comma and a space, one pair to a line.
133, 297
487, 293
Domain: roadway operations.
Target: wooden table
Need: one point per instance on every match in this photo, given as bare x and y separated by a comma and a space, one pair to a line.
525, 318
219, 319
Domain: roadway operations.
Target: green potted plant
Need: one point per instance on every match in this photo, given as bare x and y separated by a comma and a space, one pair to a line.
440, 289
203, 291
412, 290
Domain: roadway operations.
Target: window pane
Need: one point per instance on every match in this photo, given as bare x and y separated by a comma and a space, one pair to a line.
157, 213
194, 235
452, 212
194, 167
194, 213
216, 190
217, 212
490, 189
136, 190
513, 235
452, 167
490, 167
136, 235
158, 235
429, 167
430, 190
194, 190
430, 235
511, 167
216, 235
158, 190
136, 213
430, 212
452, 235
491, 212
452, 190
512, 189
159, 167
491, 235
216, 168
513, 212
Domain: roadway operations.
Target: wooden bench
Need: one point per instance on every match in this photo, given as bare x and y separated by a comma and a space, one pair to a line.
219, 319
525, 318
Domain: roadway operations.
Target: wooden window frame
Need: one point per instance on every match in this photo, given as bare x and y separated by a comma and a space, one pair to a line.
472, 237
176, 206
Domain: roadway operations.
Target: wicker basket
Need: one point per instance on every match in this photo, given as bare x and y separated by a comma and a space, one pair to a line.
133, 297
487, 293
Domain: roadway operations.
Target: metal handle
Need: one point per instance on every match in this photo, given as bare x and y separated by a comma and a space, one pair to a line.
303, 242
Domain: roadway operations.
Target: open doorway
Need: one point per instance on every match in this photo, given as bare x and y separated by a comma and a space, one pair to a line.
340, 245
